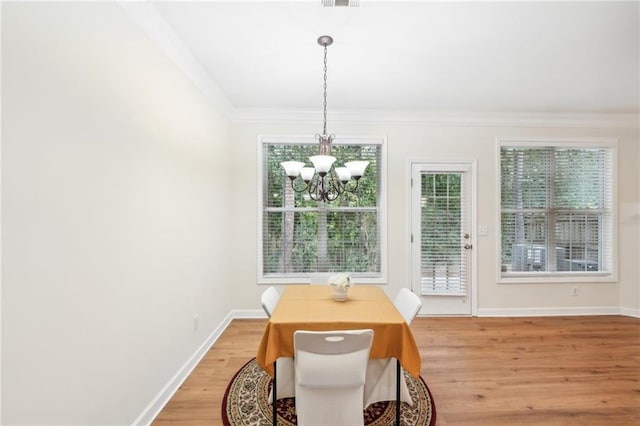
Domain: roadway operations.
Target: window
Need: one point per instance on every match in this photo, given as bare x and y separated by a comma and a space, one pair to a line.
299, 236
556, 209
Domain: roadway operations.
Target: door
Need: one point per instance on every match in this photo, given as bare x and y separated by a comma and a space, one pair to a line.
441, 239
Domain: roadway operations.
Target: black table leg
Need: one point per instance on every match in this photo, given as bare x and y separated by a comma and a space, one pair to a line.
398, 372
275, 395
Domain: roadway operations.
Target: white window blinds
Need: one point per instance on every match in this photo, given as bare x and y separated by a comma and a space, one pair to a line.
443, 259
556, 204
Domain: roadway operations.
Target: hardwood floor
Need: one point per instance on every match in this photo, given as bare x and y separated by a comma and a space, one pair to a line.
481, 371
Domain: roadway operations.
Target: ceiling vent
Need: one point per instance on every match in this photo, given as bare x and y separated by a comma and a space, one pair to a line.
341, 3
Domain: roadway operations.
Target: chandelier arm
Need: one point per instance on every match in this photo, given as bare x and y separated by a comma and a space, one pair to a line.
315, 188
324, 190
335, 196
335, 187
293, 186
315, 196
354, 187
336, 183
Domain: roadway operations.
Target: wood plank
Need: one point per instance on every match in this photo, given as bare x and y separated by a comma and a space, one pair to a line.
548, 371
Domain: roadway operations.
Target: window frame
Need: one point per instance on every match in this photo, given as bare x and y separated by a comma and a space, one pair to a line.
555, 277
303, 278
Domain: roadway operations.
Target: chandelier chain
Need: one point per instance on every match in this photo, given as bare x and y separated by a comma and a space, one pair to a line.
324, 113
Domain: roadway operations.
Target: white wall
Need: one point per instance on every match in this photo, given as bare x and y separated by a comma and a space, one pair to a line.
115, 204
629, 225
472, 142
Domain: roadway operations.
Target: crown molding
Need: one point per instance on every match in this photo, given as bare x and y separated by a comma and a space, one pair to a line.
453, 118
147, 17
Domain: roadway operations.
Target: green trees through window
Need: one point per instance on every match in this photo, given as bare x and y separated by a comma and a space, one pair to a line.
301, 236
442, 262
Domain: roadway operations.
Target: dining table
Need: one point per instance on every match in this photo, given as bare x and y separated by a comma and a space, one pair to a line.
307, 307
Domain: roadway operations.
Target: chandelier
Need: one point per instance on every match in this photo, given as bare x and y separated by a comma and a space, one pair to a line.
323, 181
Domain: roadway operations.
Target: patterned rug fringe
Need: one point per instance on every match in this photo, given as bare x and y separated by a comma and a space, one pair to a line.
245, 403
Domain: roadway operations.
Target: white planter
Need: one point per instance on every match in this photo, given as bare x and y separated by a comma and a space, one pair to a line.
340, 293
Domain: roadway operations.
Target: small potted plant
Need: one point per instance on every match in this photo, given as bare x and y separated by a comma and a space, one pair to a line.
340, 284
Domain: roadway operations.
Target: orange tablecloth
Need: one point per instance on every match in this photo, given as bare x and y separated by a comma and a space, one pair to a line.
313, 308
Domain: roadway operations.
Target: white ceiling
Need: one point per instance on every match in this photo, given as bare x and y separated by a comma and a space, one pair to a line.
551, 57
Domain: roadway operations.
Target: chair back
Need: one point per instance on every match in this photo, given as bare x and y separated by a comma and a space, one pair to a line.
408, 304
320, 278
269, 300
330, 370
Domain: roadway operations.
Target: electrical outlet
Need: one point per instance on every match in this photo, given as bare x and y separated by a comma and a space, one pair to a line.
574, 291
196, 322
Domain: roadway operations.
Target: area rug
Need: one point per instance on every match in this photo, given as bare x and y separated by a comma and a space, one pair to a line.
246, 403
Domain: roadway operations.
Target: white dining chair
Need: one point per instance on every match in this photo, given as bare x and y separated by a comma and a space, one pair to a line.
385, 380
269, 300
330, 369
408, 304
320, 278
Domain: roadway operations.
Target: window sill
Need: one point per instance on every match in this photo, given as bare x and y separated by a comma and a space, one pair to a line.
541, 278
305, 281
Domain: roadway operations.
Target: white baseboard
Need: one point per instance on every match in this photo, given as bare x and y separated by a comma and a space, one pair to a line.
630, 312
157, 404
546, 312
505, 312
249, 314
